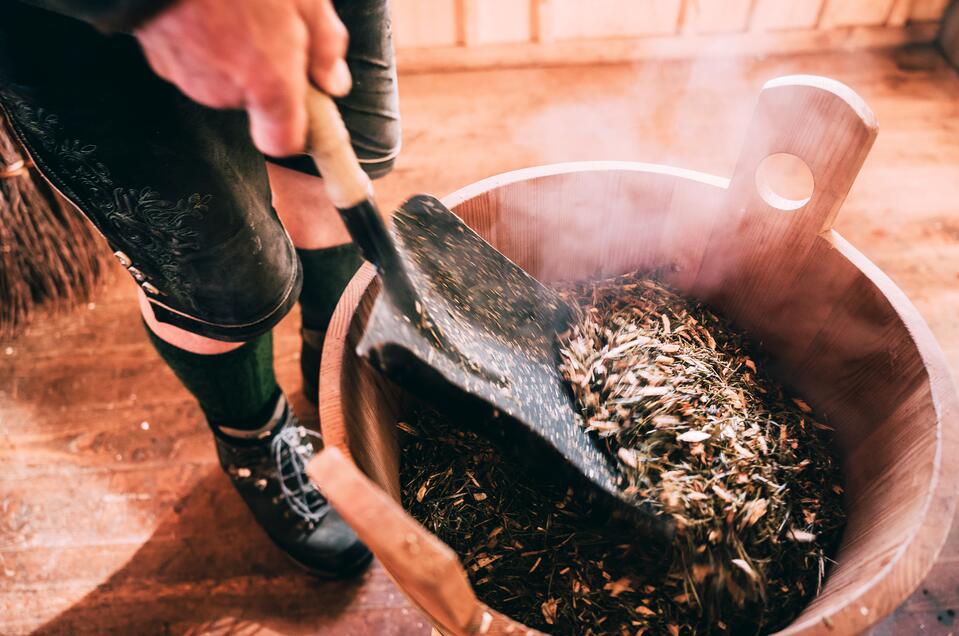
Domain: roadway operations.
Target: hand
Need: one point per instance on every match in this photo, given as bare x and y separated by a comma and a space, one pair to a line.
254, 54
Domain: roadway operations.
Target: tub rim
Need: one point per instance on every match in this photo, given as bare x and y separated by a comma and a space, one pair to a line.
913, 558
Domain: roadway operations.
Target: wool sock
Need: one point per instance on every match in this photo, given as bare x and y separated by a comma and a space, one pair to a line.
236, 389
326, 273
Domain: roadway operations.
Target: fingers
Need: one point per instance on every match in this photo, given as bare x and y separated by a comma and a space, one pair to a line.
276, 97
328, 43
205, 84
157, 60
255, 55
277, 102
277, 110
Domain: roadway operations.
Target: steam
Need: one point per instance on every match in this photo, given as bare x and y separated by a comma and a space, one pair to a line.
688, 114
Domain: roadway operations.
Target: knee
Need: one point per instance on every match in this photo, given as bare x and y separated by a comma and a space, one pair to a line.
233, 290
181, 338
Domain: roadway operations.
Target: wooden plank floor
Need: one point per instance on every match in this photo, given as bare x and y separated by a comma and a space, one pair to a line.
114, 516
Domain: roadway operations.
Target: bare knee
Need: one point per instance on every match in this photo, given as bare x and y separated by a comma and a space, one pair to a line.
180, 337
300, 201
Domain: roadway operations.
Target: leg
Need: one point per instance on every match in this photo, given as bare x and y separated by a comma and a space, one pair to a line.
327, 257
182, 197
186, 340
371, 115
312, 223
309, 217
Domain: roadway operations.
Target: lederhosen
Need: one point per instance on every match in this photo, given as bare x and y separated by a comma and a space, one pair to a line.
178, 190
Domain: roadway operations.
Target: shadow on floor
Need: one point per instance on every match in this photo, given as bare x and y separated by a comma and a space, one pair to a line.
209, 569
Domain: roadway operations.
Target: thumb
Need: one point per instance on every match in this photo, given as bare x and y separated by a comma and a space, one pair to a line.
328, 44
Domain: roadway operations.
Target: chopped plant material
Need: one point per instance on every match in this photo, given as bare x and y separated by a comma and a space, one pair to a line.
702, 434
530, 548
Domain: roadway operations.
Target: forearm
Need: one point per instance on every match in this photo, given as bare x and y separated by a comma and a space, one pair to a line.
106, 15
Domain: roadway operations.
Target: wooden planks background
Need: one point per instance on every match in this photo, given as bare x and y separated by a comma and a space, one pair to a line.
453, 34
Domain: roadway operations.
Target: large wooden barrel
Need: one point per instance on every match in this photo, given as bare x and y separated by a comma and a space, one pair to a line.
839, 332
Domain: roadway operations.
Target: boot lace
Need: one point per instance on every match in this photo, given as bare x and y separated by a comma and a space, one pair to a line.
292, 448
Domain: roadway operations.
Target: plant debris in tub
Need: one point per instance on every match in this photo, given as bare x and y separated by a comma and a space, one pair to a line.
703, 435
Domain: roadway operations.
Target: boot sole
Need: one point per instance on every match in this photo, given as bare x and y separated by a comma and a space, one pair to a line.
348, 572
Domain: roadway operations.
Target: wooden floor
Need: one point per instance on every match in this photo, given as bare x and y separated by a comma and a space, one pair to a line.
114, 516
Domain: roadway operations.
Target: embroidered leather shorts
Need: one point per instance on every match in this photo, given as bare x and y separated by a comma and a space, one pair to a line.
178, 190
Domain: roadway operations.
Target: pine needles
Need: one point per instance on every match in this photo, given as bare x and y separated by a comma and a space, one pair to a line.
702, 434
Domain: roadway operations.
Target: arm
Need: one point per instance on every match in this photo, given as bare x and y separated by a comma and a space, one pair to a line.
256, 55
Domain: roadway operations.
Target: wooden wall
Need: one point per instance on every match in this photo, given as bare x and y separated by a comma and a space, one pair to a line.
441, 34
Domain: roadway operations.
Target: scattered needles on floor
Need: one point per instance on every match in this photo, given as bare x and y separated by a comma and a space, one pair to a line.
703, 436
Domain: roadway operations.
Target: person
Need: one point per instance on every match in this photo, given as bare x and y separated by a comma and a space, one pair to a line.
177, 127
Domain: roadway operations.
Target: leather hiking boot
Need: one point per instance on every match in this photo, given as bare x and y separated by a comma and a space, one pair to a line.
268, 468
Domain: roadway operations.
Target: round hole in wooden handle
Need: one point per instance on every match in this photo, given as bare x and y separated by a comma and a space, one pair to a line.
784, 181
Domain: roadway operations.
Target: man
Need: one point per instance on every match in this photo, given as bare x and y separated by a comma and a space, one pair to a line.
173, 175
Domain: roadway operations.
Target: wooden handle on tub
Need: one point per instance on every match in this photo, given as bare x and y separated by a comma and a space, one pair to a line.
426, 569
821, 121
759, 243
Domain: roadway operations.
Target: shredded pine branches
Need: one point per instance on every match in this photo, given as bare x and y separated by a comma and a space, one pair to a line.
702, 434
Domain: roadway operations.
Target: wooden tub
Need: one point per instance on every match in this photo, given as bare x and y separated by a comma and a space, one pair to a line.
840, 332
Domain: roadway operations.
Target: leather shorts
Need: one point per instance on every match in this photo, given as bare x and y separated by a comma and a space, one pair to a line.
178, 190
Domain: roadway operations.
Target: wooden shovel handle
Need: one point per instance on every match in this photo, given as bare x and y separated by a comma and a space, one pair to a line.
426, 569
328, 143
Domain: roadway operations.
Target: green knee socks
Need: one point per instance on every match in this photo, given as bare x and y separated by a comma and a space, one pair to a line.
326, 273
236, 389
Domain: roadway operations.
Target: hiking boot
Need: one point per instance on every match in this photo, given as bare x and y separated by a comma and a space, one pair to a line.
268, 468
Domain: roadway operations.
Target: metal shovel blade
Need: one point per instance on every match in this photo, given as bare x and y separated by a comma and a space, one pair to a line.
489, 346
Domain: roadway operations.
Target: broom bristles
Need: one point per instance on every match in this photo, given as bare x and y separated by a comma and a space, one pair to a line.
50, 256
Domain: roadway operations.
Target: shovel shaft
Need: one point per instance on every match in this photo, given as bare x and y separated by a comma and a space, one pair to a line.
351, 191
346, 184
328, 143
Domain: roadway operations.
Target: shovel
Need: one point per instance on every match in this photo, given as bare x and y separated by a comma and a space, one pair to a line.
461, 326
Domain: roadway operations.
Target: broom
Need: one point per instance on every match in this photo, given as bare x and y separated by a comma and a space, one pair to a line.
50, 256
